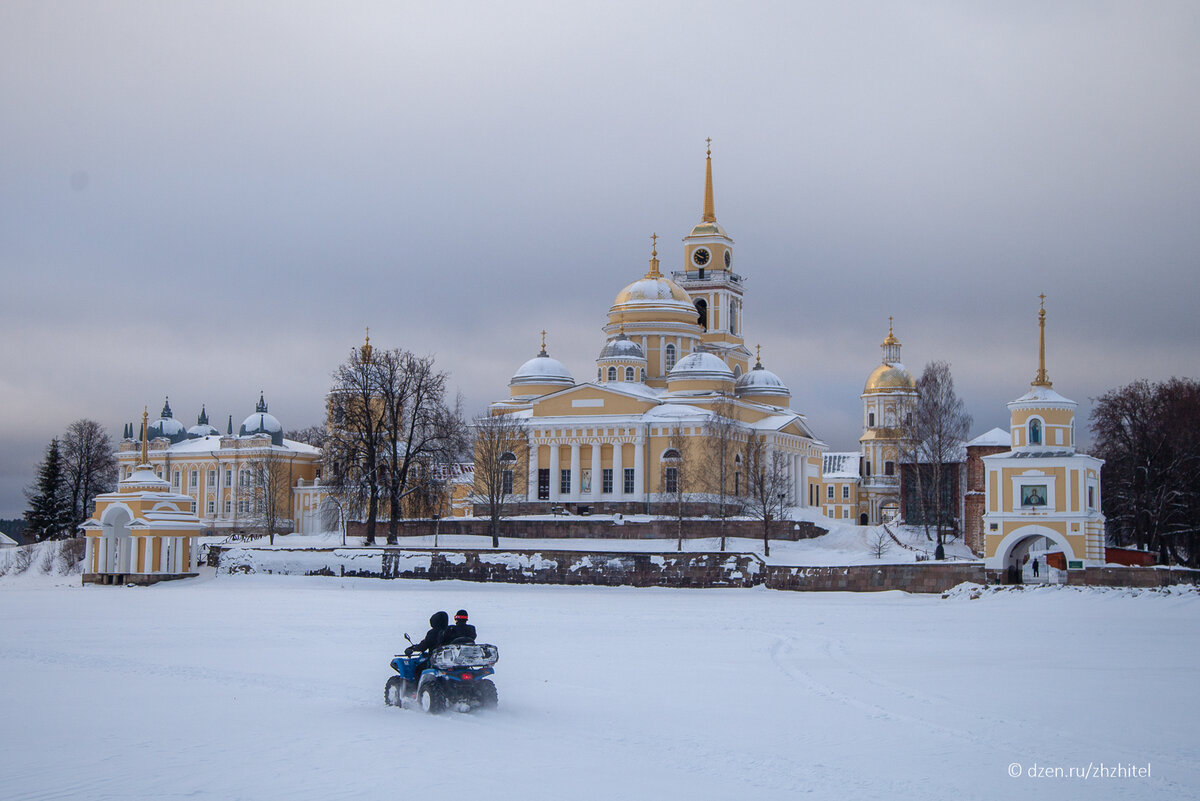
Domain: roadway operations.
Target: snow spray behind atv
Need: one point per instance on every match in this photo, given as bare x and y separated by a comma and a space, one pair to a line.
451, 677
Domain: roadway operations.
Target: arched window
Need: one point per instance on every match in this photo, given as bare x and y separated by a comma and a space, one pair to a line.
702, 313
871, 420
735, 309
599, 373
671, 455
612, 374
628, 373
669, 359
1035, 432
643, 375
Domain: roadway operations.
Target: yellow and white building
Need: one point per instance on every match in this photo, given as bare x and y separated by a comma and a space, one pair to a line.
840, 492
142, 533
674, 359
887, 402
1042, 496
225, 476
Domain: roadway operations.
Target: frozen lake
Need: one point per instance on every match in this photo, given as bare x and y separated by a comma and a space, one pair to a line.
271, 687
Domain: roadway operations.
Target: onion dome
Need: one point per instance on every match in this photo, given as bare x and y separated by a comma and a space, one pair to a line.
622, 359
540, 375
261, 423
202, 428
761, 384
698, 372
167, 426
891, 375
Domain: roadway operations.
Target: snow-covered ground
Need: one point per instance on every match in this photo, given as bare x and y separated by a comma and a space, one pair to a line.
259, 687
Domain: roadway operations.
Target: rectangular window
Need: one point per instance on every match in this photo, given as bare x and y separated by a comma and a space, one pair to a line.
1091, 497
606, 480
829, 492
564, 481
543, 484
175, 479
227, 506
845, 492
672, 480
889, 468
212, 479
212, 507
228, 478
506, 482
628, 481
194, 479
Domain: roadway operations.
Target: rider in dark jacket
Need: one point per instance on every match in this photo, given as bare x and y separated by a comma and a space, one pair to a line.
461, 628
437, 634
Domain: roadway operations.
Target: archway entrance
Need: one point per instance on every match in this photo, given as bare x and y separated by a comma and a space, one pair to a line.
116, 546
1033, 555
863, 519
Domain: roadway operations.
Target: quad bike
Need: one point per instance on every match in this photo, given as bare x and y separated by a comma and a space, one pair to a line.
451, 677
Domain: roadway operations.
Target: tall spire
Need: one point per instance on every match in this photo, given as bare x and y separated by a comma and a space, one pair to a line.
366, 348
1042, 380
891, 346
654, 272
710, 214
145, 436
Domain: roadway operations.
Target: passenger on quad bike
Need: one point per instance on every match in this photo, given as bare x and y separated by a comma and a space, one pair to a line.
461, 630
436, 636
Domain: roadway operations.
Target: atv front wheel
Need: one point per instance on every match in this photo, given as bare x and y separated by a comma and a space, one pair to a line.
485, 691
393, 691
432, 699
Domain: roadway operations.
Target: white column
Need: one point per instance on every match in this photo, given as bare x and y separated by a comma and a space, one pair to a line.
89, 543
804, 479
639, 461
531, 484
596, 471
618, 472
554, 471
575, 471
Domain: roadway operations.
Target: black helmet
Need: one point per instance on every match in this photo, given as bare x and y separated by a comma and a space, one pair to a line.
439, 620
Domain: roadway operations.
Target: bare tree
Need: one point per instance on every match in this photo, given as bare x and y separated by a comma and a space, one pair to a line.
309, 435
501, 447
335, 513
934, 441
352, 453
89, 465
270, 493
723, 440
678, 476
879, 541
1149, 437
421, 430
766, 484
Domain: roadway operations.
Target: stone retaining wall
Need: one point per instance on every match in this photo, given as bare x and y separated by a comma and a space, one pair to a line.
594, 528
1133, 576
916, 577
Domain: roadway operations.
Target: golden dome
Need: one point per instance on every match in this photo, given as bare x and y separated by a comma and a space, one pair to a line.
654, 290
889, 377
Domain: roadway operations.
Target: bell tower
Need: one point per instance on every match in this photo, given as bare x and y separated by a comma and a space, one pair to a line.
709, 278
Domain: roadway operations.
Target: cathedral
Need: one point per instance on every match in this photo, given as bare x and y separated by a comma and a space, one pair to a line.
673, 369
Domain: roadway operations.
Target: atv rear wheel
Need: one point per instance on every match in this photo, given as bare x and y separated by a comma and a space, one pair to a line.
393, 691
485, 691
431, 698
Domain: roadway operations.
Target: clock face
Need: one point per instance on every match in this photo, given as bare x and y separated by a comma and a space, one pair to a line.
700, 256
728, 259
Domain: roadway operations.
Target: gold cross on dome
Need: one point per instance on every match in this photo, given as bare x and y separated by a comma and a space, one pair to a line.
1043, 298
708, 145
654, 244
543, 339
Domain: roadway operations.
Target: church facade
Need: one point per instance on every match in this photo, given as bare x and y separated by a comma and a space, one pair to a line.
673, 375
1042, 497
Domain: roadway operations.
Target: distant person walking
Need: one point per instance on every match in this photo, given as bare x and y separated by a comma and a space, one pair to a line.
1035, 566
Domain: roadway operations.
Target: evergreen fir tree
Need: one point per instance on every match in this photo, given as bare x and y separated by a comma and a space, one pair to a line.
49, 512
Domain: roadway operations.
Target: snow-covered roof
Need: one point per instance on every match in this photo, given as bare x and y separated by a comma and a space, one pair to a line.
840, 466
6, 541
1043, 395
622, 347
995, 437
700, 365
542, 369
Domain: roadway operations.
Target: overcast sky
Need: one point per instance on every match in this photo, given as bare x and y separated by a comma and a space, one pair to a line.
206, 200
